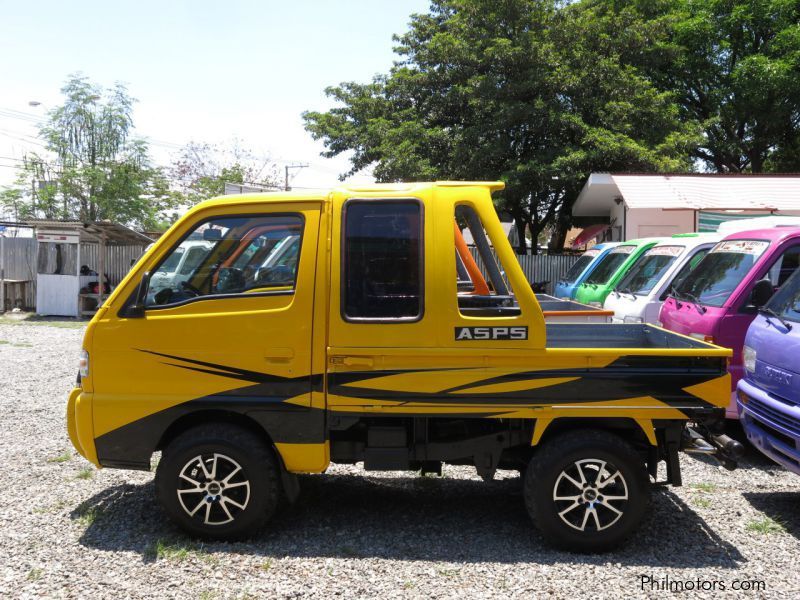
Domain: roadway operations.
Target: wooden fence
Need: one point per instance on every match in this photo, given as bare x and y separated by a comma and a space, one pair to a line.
20, 263
541, 267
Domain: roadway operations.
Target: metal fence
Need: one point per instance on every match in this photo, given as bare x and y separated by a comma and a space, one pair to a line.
20, 263
541, 267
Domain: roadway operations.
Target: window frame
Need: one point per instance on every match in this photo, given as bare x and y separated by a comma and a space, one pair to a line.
343, 262
193, 228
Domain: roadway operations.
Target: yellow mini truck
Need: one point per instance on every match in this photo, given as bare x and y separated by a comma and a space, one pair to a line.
305, 329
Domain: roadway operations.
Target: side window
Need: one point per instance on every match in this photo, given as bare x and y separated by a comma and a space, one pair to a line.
784, 266
382, 260
229, 255
488, 294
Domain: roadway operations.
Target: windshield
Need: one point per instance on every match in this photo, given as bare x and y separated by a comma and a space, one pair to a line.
786, 301
644, 275
722, 270
580, 264
609, 264
169, 265
687, 268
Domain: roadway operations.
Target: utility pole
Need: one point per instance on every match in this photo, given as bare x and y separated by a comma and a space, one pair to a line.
286, 173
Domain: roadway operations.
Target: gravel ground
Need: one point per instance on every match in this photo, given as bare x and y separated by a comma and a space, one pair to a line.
69, 531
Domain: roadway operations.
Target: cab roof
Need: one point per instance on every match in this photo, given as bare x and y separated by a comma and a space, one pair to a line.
349, 190
772, 234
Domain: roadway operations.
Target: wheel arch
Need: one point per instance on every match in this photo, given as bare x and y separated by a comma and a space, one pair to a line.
640, 432
203, 417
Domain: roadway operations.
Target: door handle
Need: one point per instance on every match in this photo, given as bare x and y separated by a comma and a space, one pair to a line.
278, 354
358, 361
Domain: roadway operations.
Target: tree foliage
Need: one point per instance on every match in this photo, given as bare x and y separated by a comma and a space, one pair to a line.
93, 168
541, 93
734, 66
201, 170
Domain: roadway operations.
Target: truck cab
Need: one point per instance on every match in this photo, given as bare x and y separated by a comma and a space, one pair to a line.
638, 296
363, 346
611, 269
566, 287
768, 395
714, 302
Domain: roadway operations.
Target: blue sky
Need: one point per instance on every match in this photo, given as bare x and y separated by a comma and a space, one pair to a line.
201, 70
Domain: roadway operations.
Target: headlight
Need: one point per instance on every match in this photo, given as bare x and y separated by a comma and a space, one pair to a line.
749, 359
83, 364
630, 319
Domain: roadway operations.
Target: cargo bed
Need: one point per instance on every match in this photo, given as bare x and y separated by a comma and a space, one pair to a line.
614, 336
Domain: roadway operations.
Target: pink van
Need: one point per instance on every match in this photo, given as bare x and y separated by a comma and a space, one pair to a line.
713, 302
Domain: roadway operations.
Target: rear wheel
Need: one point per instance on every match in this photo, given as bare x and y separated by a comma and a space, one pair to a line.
587, 490
219, 482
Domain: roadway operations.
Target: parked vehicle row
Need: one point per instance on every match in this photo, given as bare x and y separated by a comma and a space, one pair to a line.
741, 292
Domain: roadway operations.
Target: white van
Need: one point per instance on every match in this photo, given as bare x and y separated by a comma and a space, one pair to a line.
638, 297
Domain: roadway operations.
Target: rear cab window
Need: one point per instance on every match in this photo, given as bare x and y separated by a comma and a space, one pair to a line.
489, 294
383, 261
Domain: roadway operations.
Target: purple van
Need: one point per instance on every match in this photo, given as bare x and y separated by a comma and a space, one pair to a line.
714, 302
768, 397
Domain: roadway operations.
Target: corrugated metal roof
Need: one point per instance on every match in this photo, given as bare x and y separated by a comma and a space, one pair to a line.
114, 233
690, 191
712, 191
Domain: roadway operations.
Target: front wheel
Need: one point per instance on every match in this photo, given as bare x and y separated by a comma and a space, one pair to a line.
587, 490
218, 482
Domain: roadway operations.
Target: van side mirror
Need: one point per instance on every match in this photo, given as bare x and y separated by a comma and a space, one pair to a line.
136, 310
762, 292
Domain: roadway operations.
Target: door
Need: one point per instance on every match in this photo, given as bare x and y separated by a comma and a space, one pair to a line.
403, 339
232, 333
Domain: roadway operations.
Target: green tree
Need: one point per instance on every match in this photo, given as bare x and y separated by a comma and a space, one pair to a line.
734, 68
93, 168
535, 93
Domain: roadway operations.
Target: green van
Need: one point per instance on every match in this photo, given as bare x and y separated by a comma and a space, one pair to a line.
611, 269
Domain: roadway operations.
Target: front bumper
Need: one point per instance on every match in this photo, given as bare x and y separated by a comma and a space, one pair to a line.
80, 426
771, 426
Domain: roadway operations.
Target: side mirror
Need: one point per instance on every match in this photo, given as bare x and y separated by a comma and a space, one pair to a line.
762, 292
136, 310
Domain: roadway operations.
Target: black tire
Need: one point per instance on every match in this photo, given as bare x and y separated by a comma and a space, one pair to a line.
592, 523
228, 511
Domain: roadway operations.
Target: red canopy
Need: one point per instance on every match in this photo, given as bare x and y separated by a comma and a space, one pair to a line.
588, 234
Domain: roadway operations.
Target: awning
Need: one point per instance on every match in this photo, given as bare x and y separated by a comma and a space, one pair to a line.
589, 234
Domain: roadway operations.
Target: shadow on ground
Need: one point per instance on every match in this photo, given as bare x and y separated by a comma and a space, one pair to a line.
410, 518
780, 506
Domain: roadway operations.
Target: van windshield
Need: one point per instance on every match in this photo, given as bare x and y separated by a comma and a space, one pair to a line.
609, 264
580, 264
721, 271
786, 301
644, 275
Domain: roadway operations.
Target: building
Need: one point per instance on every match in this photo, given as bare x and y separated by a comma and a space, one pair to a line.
643, 205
